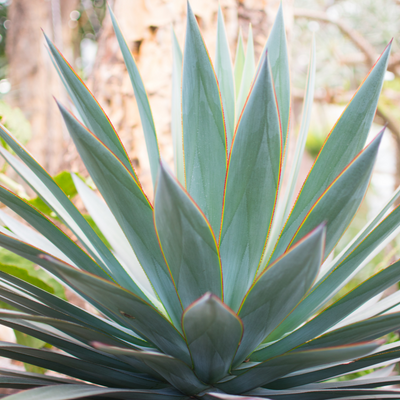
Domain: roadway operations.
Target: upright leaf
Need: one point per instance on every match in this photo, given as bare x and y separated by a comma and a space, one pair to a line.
251, 188
89, 109
338, 204
213, 332
187, 241
249, 70
204, 135
239, 64
278, 57
129, 206
284, 205
277, 291
343, 143
142, 100
176, 109
224, 72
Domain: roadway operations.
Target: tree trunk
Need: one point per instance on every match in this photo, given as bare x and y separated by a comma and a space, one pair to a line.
146, 26
33, 77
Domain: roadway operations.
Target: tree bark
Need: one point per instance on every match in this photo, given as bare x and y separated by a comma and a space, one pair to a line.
33, 77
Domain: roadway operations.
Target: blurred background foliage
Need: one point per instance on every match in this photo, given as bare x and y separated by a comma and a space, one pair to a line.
350, 35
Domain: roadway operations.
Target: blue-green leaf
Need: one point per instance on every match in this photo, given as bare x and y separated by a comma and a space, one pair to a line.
142, 100
249, 70
89, 109
79, 391
239, 64
130, 207
337, 205
251, 188
43, 184
277, 291
204, 136
176, 372
224, 72
346, 139
333, 314
186, 240
276, 47
272, 369
213, 332
176, 109
342, 269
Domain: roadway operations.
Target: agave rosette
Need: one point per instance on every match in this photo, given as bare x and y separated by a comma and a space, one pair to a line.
215, 290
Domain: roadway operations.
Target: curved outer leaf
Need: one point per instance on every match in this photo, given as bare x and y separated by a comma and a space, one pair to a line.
366, 330
273, 369
130, 207
342, 144
251, 188
249, 70
204, 134
239, 63
111, 230
73, 392
142, 100
318, 393
44, 185
373, 360
89, 109
338, 204
341, 270
19, 322
284, 205
213, 332
278, 290
122, 305
55, 307
83, 334
304, 127
29, 235
278, 57
333, 314
59, 239
176, 372
224, 72
186, 240
78, 368
176, 109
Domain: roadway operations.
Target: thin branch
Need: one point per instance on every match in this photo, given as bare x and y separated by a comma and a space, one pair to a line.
363, 45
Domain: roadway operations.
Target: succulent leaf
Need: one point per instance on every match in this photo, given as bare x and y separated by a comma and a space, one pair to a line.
146, 116
130, 207
89, 109
204, 132
176, 109
338, 204
224, 72
187, 241
267, 299
247, 77
251, 188
213, 332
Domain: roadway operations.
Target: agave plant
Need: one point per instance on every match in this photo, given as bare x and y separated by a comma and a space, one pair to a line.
216, 290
